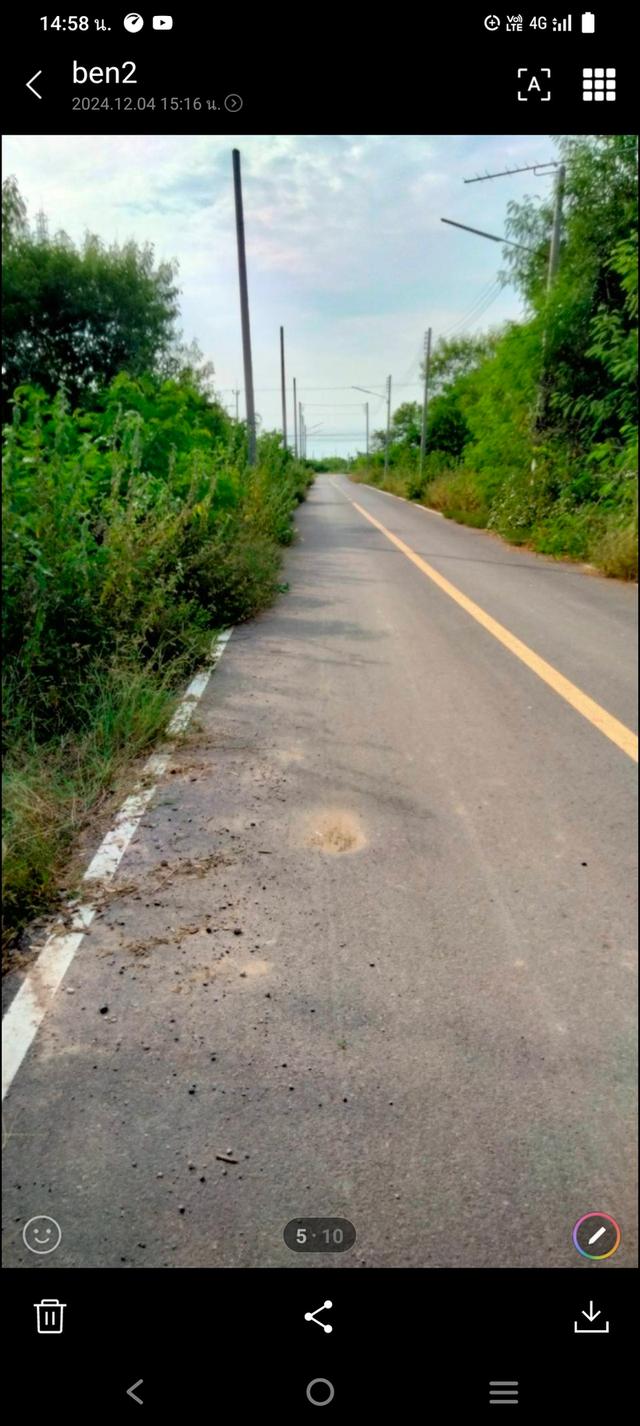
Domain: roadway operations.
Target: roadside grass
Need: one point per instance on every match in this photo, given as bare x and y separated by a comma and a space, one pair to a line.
616, 552
458, 497
605, 538
395, 482
49, 789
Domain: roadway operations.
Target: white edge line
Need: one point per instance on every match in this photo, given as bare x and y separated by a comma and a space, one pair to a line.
31, 1003
415, 503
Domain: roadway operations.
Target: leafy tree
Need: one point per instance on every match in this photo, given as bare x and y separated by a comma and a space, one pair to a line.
75, 317
405, 429
455, 357
14, 213
453, 361
447, 427
406, 424
184, 362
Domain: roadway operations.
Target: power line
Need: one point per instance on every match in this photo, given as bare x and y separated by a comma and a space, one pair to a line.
397, 385
489, 303
475, 317
478, 308
412, 368
469, 314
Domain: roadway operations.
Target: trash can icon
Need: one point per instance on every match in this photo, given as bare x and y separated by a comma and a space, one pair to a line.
50, 1315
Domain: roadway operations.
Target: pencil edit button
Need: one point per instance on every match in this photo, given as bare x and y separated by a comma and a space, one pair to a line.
42, 1234
596, 1235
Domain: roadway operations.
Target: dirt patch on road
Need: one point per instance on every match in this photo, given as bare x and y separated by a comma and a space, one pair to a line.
152, 880
334, 831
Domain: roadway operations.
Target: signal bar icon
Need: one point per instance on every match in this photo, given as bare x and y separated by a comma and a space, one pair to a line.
562, 24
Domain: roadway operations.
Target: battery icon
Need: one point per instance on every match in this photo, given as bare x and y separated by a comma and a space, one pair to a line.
588, 22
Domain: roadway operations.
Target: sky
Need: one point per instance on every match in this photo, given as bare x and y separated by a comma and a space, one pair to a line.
345, 249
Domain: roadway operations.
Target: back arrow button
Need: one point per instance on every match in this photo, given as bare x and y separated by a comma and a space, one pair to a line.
131, 1391
30, 84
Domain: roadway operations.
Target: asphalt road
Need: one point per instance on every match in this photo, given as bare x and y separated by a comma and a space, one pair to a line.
374, 939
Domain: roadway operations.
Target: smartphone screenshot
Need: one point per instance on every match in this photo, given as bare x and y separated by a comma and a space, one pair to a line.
319, 423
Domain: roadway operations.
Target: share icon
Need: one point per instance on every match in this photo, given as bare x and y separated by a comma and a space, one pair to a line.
313, 1317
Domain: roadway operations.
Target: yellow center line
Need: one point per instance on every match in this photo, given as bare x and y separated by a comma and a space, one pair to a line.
617, 732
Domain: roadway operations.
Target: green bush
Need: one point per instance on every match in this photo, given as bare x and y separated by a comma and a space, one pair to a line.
131, 532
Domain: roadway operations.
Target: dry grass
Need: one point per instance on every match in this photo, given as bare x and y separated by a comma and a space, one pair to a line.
616, 552
457, 496
50, 789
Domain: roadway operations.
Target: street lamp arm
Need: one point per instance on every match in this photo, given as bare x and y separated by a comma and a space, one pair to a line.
479, 233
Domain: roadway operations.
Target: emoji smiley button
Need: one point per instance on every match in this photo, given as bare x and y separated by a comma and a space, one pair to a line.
42, 1234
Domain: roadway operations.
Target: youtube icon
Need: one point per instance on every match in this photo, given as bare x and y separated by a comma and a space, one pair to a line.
163, 22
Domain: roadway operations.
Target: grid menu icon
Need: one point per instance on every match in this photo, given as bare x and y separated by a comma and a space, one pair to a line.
598, 85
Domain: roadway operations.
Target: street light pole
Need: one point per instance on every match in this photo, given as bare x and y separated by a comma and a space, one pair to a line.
309, 430
284, 391
378, 397
554, 258
554, 247
386, 444
244, 310
480, 234
554, 252
427, 366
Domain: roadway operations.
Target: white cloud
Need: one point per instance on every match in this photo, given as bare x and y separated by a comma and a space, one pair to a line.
345, 243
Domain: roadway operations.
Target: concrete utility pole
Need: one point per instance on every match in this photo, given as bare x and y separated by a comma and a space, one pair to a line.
554, 260
244, 310
236, 392
554, 252
301, 430
386, 443
284, 391
295, 419
366, 417
554, 248
425, 399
